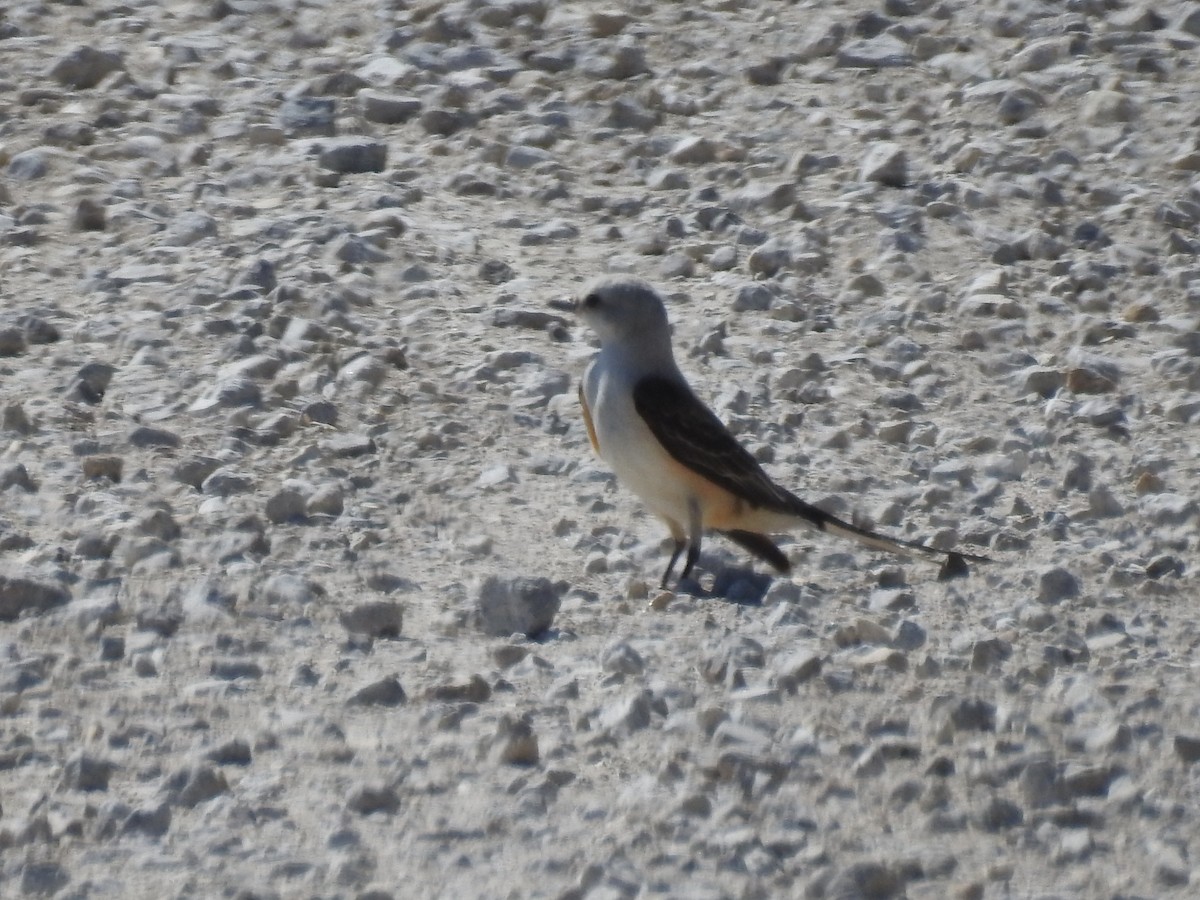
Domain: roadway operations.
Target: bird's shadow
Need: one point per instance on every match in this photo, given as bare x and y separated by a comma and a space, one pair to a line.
730, 584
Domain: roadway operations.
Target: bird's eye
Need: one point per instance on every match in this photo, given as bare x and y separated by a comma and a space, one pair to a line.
591, 301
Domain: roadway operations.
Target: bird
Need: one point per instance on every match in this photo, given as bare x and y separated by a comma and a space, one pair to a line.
666, 446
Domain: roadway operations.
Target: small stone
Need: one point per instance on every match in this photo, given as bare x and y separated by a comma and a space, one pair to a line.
234, 752
352, 155
693, 150
621, 659
28, 165
519, 605
384, 692
1057, 584
627, 112
515, 743
1187, 747
766, 73
287, 505
43, 879
629, 714
387, 109
161, 524
152, 821
442, 121
112, 648
987, 655
376, 618
193, 785
865, 881
84, 67
1082, 380
474, 690
881, 52
15, 418
367, 798
1107, 107
605, 23
730, 658
148, 436
348, 445
753, 297
12, 341
798, 667
16, 475
84, 772
21, 593
1000, 814
308, 117
723, 258
973, 714
91, 382
234, 669
88, 216
885, 163
327, 500
290, 590
322, 412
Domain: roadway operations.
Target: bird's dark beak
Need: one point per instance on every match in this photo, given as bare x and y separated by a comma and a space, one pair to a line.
567, 306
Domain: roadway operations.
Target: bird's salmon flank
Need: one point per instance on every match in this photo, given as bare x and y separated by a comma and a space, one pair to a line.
671, 450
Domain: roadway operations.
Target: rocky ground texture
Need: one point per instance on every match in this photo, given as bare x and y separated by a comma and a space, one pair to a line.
311, 587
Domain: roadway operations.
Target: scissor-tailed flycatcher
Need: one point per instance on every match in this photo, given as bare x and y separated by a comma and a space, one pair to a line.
670, 449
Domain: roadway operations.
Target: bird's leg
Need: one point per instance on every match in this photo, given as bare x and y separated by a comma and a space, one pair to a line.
680, 543
695, 532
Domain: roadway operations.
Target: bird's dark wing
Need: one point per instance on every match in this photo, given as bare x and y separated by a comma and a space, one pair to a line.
694, 437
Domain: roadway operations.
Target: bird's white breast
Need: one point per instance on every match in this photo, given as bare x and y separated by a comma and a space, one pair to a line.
626, 443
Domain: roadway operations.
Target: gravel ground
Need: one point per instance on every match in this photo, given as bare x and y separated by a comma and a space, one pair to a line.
310, 585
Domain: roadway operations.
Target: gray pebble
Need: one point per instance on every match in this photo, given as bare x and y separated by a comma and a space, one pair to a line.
1187, 747
149, 436
515, 743
327, 500
89, 215
366, 799
91, 382
12, 341
629, 714
348, 445
43, 879
516, 605
85, 772
1057, 584
308, 117
233, 669
881, 52
193, 785
387, 109
84, 67
693, 150
756, 297
233, 752
25, 593
16, 475
225, 482
621, 659
286, 505
384, 692
376, 618
291, 590
353, 155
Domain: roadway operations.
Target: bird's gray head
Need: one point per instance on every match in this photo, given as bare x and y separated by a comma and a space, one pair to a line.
624, 309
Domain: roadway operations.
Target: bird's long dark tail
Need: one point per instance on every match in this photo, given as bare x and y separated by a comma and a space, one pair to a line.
954, 562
